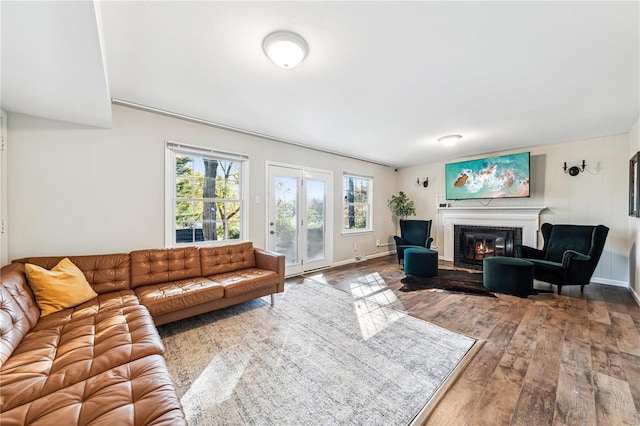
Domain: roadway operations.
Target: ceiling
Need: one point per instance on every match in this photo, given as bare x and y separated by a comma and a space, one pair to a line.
382, 81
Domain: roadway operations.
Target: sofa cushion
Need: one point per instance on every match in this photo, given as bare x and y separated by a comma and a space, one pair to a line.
164, 265
136, 393
105, 272
218, 260
62, 287
116, 301
244, 281
18, 310
173, 296
72, 345
14, 324
14, 278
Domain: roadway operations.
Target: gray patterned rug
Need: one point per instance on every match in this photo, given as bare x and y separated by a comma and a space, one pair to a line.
320, 356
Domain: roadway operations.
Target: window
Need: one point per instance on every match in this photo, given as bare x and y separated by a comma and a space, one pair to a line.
206, 190
357, 202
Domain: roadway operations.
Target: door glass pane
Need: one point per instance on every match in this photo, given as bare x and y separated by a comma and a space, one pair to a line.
286, 227
315, 220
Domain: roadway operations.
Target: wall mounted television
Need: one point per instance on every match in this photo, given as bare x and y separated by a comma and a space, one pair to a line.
505, 176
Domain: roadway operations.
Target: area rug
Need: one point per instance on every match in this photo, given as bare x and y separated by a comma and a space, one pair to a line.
451, 280
319, 356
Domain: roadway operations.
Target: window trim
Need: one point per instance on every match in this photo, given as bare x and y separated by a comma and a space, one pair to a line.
171, 148
369, 228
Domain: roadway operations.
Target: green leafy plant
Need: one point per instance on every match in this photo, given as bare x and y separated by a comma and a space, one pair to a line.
401, 206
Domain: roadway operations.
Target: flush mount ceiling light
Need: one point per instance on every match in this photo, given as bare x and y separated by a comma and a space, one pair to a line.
285, 49
449, 140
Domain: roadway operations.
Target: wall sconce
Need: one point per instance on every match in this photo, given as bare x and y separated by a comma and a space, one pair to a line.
574, 170
423, 183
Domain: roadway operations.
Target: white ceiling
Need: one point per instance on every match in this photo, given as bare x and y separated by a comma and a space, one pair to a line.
52, 62
382, 81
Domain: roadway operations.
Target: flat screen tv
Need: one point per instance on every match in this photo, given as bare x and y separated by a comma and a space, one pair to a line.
506, 176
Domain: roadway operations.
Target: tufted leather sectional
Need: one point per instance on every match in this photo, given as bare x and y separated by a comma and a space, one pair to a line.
101, 362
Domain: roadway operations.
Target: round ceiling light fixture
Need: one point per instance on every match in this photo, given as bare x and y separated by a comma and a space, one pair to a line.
449, 140
285, 49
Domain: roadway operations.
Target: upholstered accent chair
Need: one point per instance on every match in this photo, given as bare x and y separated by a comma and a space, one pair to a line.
569, 256
413, 233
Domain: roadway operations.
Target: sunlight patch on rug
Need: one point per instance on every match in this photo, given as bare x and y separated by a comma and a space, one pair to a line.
373, 300
319, 356
221, 375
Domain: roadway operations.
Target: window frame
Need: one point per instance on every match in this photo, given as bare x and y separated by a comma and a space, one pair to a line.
369, 228
172, 149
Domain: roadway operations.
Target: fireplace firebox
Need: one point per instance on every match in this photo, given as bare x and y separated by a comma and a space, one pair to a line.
473, 243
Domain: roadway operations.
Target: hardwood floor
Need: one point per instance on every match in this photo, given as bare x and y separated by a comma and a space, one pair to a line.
548, 360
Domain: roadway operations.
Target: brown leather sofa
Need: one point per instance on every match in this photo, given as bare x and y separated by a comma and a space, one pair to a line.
101, 362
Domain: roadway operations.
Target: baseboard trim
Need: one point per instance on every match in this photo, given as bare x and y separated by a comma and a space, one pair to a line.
607, 281
635, 295
366, 257
343, 262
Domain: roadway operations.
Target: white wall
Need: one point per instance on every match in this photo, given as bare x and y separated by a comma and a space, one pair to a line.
596, 196
634, 222
80, 190
4, 222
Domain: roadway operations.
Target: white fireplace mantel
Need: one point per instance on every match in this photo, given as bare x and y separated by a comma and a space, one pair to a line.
527, 218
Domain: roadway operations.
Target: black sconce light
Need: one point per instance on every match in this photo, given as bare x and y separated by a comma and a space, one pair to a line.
423, 183
574, 170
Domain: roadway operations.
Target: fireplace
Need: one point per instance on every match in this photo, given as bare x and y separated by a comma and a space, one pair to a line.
527, 218
474, 243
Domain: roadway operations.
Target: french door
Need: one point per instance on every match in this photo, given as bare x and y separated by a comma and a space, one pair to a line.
299, 218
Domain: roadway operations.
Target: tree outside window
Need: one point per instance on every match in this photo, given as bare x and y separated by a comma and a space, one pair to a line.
357, 203
208, 198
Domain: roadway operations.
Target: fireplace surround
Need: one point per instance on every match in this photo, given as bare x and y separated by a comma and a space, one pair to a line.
527, 218
473, 243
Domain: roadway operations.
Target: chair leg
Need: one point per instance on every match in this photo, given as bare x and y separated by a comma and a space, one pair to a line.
559, 289
582, 288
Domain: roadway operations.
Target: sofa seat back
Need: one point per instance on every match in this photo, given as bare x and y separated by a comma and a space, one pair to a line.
18, 310
415, 232
14, 324
227, 258
105, 272
568, 237
75, 344
157, 266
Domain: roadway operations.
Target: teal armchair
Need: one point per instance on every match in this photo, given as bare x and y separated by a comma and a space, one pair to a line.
569, 256
413, 233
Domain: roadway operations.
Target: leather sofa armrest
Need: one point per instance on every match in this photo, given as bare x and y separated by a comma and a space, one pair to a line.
527, 252
271, 261
570, 256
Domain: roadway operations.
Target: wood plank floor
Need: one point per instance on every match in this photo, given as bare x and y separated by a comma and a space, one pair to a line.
548, 360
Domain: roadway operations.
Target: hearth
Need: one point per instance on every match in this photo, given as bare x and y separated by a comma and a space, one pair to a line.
473, 243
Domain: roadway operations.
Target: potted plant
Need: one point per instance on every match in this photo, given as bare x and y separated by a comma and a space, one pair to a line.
401, 206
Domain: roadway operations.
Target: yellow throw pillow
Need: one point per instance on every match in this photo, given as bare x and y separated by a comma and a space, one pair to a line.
62, 287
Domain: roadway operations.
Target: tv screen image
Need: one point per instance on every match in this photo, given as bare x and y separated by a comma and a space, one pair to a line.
505, 176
